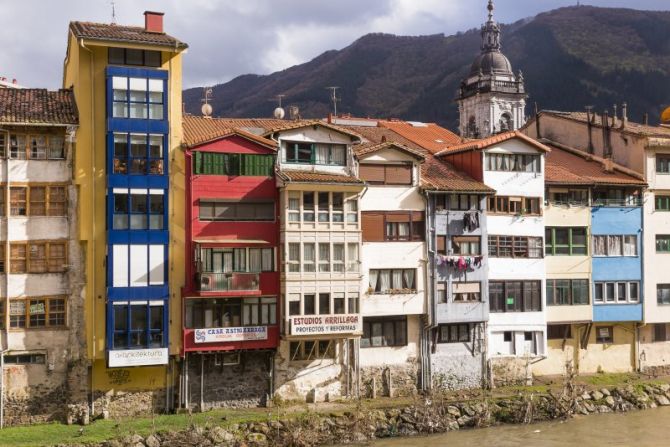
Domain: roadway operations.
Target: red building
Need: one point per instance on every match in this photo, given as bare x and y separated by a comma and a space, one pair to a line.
231, 295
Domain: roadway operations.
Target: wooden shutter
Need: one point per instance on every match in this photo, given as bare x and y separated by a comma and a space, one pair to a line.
371, 173
372, 225
399, 175
441, 244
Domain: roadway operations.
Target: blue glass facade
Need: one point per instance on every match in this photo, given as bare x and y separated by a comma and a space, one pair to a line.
136, 208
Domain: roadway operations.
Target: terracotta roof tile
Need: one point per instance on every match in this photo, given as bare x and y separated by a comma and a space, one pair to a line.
371, 148
118, 33
200, 130
573, 167
474, 145
315, 177
429, 136
631, 127
285, 125
37, 106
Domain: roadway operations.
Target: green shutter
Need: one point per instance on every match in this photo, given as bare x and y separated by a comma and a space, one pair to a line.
197, 165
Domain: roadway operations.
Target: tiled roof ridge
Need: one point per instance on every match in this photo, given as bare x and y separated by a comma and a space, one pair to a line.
115, 33
208, 138
290, 125
631, 128
488, 141
385, 144
38, 106
592, 157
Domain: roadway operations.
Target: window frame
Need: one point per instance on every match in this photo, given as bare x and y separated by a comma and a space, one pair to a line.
551, 288
51, 309
663, 200
551, 245
46, 259
502, 205
311, 350
392, 290
605, 286
301, 145
205, 203
663, 301
130, 331
664, 246
494, 246
662, 162
125, 51
622, 243
495, 161
128, 102
399, 325
520, 304
450, 330
386, 167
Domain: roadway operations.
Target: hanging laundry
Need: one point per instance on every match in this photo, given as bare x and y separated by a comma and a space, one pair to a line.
478, 261
461, 263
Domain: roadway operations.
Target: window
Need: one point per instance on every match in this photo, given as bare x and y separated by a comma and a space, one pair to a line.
324, 303
339, 302
139, 98
221, 210
466, 291
18, 201
513, 163
38, 257
309, 303
620, 292
515, 296
663, 163
616, 197
293, 258
466, 245
515, 205
453, 333
37, 312
559, 196
139, 154
515, 247
216, 163
137, 265
315, 153
457, 202
3, 145
38, 147
138, 325
392, 281
378, 174
662, 203
393, 226
663, 293
25, 359
36, 200
380, 332
352, 299
230, 312
338, 258
33, 147
309, 258
324, 257
308, 350
559, 331
2, 314
615, 245
351, 208
225, 260
605, 334
352, 257
663, 243
565, 241
661, 332
308, 207
128, 56
138, 209
566, 292
293, 206
294, 304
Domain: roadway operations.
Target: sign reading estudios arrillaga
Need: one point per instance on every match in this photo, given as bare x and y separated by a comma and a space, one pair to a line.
326, 324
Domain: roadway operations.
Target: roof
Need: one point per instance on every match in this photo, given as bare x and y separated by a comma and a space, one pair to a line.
568, 166
284, 125
429, 136
37, 106
118, 33
372, 148
642, 130
475, 145
201, 130
314, 177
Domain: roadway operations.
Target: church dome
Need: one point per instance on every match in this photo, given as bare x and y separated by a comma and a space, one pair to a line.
491, 62
665, 116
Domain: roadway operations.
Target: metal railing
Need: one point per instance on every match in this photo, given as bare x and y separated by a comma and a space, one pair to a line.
222, 282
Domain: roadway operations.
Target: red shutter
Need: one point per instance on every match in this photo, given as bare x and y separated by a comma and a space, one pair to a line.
372, 225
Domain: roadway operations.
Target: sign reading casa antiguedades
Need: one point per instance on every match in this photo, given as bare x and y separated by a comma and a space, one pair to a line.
322, 324
224, 334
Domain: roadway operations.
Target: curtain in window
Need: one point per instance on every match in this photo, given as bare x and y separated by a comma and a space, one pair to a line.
324, 252
630, 246
384, 280
599, 246
322, 151
309, 252
338, 154
408, 276
403, 230
240, 261
255, 260
294, 252
614, 246
266, 261
374, 274
338, 252
397, 279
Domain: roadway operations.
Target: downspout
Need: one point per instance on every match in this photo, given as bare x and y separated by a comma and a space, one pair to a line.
637, 366
92, 277
5, 247
429, 281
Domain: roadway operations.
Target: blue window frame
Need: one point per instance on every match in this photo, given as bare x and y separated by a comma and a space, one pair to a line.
138, 154
138, 209
138, 98
138, 325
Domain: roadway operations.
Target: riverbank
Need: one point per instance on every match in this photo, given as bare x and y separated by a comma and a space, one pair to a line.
360, 421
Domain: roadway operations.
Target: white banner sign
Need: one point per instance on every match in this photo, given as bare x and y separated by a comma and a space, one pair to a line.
326, 324
222, 334
138, 357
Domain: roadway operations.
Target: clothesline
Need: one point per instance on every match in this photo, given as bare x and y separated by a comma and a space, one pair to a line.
461, 263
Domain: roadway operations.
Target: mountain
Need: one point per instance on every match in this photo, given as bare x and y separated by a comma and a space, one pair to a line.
570, 57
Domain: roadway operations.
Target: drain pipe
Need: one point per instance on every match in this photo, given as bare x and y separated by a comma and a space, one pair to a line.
5, 248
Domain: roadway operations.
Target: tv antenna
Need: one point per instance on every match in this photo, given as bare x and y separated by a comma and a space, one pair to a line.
334, 98
206, 108
113, 12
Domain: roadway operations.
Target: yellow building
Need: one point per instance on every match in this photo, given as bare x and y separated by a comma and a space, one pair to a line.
129, 173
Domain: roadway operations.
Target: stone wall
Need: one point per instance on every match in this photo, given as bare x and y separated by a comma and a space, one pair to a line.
456, 371
507, 371
125, 404
403, 380
246, 384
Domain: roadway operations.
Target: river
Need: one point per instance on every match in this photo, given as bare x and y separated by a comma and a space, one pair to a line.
648, 428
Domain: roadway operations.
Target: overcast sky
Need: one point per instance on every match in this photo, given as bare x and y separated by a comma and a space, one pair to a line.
228, 38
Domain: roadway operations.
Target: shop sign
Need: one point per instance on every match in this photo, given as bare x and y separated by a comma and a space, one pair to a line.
326, 324
224, 334
138, 357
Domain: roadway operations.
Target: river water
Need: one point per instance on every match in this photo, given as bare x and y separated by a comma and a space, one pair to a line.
648, 428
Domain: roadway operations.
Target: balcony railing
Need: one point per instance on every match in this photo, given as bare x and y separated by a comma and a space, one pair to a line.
628, 202
224, 282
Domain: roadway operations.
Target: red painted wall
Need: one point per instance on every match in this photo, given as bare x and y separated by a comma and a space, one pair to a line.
468, 162
237, 188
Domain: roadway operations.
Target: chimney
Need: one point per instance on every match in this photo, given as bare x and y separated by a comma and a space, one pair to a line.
589, 126
645, 119
153, 22
383, 138
624, 115
614, 117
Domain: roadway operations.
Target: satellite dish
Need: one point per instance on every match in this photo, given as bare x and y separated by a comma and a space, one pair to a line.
279, 113
206, 110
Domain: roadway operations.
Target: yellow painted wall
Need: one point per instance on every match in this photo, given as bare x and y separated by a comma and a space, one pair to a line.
127, 379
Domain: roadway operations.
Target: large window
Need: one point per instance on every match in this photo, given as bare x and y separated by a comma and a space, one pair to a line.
323, 257
453, 333
138, 325
139, 154
392, 281
663, 163
309, 350
559, 331
32, 147
139, 98
463, 292
138, 209
130, 56
515, 205
215, 163
138, 265
38, 257
513, 163
566, 292
315, 153
663, 243
230, 312
222, 210
619, 292
466, 245
515, 296
615, 245
565, 241
662, 203
378, 174
326, 207
387, 331
663, 293
322, 303
43, 200
457, 202
515, 247
37, 312
226, 260
381, 226
561, 196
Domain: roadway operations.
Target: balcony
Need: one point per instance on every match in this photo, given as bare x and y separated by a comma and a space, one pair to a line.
227, 282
